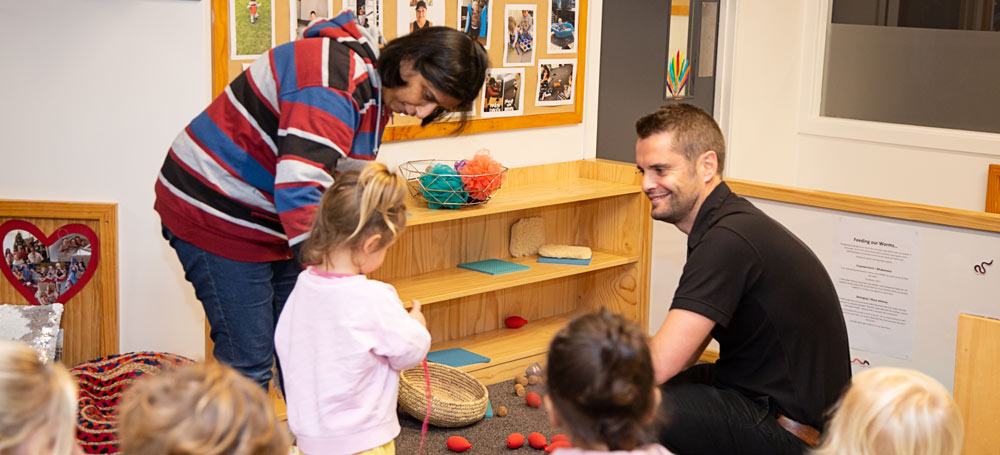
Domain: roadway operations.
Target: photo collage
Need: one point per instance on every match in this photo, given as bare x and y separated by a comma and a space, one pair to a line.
523, 34
48, 271
530, 38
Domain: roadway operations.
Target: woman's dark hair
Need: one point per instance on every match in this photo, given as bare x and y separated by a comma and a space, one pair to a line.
452, 61
420, 4
600, 381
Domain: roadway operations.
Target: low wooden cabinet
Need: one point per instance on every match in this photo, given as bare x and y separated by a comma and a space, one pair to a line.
595, 203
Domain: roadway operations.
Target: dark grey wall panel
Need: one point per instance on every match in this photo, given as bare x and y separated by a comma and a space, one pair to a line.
633, 55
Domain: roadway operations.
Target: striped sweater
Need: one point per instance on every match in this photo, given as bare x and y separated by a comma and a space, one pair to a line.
244, 178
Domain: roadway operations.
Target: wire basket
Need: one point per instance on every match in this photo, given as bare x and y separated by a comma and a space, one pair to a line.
450, 190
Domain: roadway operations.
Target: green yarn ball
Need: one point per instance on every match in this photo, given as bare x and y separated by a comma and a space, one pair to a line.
442, 187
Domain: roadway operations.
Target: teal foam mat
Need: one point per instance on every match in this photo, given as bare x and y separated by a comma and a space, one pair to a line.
456, 357
494, 266
570, 261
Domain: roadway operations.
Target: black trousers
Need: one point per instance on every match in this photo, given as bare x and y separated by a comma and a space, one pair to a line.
700, 418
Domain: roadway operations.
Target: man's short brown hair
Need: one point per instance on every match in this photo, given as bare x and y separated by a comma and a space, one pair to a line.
695, 132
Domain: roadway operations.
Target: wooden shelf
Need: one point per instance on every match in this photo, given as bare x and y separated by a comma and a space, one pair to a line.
507, 348
522, 197
454, 283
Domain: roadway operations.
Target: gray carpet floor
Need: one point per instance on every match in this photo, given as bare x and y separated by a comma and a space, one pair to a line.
489, 435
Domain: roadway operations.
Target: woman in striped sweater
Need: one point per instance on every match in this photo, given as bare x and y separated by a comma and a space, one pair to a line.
240, 185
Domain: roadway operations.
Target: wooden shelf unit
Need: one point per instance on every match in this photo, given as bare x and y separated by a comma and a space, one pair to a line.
595, 203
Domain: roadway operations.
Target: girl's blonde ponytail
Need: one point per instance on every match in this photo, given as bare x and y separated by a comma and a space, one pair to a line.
382, 194
356, 206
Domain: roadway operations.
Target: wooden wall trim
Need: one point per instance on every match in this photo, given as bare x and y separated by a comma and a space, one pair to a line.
220, 46
869, 206
993, 189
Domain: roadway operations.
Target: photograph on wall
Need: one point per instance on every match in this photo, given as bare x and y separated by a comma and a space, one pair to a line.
519, 37
555, 82
474, 19
47, 271
503, 93
368, 14
562, 27
413, 15
252, 28
304, 12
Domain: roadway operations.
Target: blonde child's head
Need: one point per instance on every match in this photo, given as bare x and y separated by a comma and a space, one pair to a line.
37, 404
894, 411
600, 381
361, 213
204, 408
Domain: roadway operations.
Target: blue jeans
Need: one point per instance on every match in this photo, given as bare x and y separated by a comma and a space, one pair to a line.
242, 301
698, 417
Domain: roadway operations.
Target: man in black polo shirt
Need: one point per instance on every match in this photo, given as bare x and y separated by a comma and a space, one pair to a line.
750, 284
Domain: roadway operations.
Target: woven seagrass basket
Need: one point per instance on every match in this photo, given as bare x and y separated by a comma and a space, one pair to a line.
457, 399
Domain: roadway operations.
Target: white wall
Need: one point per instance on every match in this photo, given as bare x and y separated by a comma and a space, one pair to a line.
93, 96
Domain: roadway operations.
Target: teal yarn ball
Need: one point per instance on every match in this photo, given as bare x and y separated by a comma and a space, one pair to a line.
442, 187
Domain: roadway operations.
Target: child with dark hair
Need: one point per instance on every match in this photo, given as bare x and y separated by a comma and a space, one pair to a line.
601, 389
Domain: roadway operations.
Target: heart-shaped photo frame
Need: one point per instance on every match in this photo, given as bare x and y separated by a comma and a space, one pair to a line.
48, 269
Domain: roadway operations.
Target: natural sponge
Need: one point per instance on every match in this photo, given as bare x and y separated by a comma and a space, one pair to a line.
565, 251
526, 235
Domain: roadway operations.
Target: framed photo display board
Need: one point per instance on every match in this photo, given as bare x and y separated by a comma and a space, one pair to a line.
76, 244
537, 50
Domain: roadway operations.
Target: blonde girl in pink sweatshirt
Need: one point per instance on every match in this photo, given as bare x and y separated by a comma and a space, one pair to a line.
342, 338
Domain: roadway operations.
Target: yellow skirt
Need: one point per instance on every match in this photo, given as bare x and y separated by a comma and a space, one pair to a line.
388, 448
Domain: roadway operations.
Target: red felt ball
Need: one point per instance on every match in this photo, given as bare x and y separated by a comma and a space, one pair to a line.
559, 437
536, 440
515, 322
458, 444
533, 399
557, 444
515, 440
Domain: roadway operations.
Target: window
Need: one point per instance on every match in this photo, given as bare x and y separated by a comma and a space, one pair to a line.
917, 62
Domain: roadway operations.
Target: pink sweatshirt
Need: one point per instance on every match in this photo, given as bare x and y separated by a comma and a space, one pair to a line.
652, 449
342, 342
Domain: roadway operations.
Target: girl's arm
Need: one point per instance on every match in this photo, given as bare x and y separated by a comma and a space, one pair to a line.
403, 340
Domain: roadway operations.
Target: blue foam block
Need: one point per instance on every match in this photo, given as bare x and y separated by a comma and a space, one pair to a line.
456, 357
494, 266
570, 261
489, 410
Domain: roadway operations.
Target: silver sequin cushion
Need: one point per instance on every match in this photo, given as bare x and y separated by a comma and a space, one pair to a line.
36, 326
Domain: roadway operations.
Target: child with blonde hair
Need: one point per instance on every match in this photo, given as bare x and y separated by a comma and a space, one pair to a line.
342, 338
198, 409
894, 411
37, 404
601, 388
